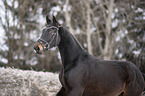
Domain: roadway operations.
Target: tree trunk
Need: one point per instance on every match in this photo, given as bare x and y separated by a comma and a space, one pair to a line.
88, 28
68, 18
107, 49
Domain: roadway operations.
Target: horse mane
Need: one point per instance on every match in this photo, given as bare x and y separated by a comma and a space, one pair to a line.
67, 32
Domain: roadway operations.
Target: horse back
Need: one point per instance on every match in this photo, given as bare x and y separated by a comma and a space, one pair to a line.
115, 75
106, 75
130, 71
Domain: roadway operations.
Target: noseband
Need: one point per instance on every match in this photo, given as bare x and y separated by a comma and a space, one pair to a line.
47, 45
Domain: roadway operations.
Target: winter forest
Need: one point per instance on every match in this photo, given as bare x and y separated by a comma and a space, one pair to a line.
107, 29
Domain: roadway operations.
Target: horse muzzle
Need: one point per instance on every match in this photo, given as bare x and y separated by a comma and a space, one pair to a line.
38, 48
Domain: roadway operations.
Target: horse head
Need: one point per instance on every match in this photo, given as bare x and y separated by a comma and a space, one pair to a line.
49, 37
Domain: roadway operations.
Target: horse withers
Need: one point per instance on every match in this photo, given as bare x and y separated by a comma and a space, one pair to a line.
85, 75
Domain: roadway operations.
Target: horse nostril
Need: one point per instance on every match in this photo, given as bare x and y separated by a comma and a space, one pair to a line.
36, 48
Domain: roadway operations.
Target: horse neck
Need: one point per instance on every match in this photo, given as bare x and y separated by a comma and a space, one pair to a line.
69, 48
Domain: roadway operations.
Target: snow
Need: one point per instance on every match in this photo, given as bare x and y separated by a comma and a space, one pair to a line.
85, 45
2, 7
107, 11
33, 36
4, 60
16, 4
93, 29
16, 82
78, 31
40, 18
16, 36
113, 16
115, 23
120, 55
10, 2
116, 52
55, 10
132, 6
60, 22
2, 36
126, 31
137, 52
121, 34
117, 38
32, 61
139, 10
116, 10
4, 47
144, 18
66, 8
131, 41
26, 44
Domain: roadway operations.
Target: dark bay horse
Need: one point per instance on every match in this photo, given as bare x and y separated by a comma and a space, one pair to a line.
83, 74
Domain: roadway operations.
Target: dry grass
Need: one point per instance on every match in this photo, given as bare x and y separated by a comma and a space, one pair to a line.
15, 82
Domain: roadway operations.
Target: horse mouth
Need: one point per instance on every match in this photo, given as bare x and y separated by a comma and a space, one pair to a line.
38, 48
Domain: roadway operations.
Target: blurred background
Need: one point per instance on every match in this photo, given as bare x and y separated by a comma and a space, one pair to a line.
108, 29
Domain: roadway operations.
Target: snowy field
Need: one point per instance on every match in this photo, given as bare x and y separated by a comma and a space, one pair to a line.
15, 82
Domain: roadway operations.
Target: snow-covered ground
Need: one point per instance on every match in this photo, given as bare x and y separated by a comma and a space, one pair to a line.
16, 82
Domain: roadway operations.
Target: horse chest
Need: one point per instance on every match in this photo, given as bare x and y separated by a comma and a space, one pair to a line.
73, 77
63, 80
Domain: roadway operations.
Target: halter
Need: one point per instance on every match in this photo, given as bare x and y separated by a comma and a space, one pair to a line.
47, 45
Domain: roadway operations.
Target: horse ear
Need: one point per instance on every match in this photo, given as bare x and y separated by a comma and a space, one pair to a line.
55, 21
48, 20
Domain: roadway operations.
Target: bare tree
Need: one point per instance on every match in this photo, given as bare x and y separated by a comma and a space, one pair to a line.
105, 28
68, 17
88, 30
83, 16
105, 10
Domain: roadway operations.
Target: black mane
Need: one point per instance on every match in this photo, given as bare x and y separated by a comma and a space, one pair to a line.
69, 47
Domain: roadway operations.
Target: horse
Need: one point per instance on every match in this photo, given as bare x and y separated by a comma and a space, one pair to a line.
83, 74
